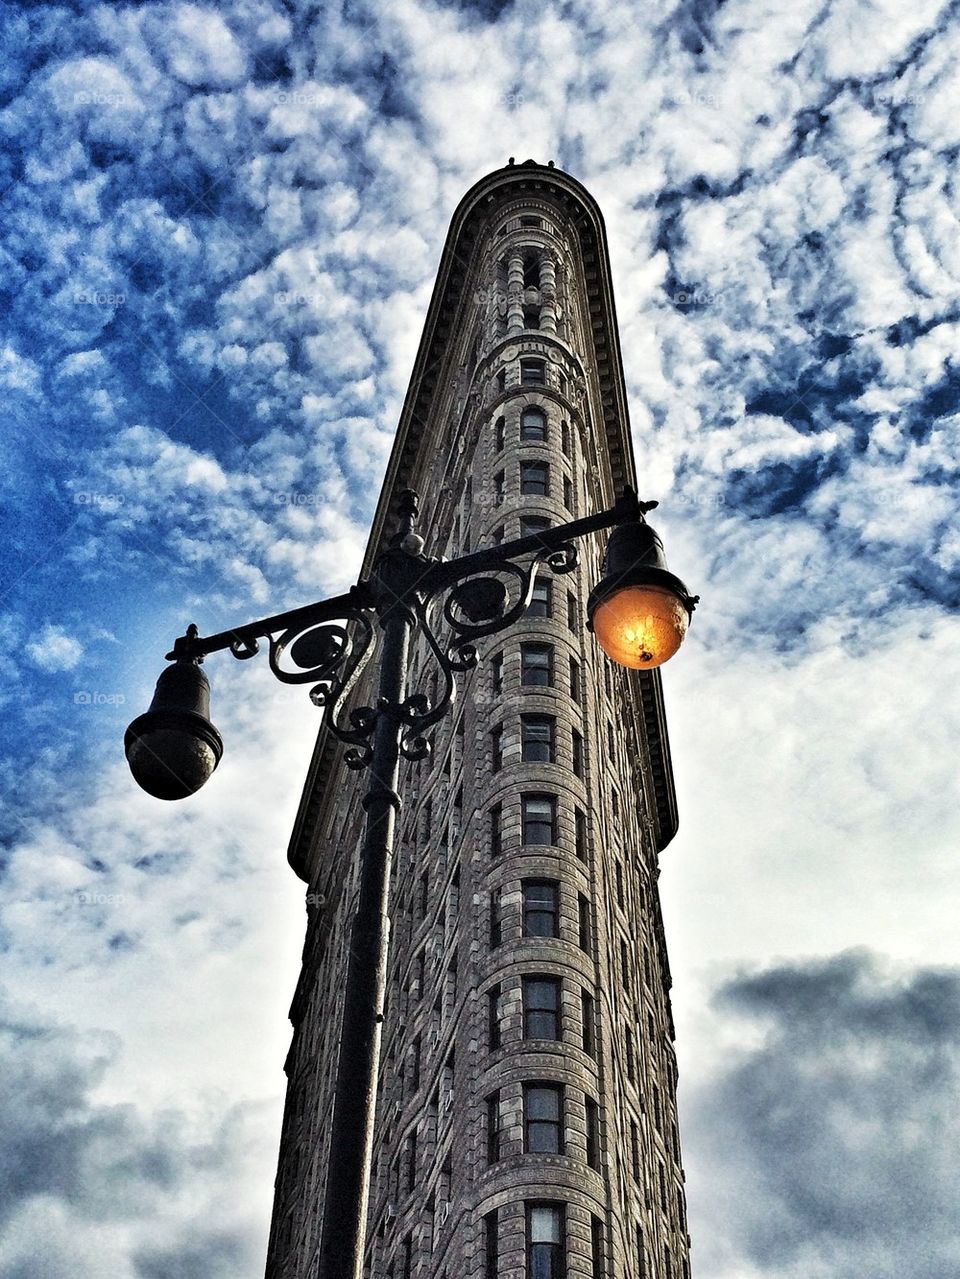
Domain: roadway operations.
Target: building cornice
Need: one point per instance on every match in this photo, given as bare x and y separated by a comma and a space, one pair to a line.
482, 204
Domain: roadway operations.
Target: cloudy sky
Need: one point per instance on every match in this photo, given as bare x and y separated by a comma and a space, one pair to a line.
219, 227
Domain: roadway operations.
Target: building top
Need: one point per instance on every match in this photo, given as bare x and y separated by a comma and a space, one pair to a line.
473, 219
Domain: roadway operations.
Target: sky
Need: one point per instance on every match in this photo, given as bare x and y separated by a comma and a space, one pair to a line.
219, 230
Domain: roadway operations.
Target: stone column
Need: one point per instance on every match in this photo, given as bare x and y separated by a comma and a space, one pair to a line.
548, 294
515, 293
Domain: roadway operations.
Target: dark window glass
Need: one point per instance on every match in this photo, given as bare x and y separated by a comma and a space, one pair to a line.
532, 373
531, 317
574, 679
500, 487
541, 915
572, 611
565, 438
537, 739
580, 824
596, 1247
635, 1149
493, 1127
541, 1007
498, 534
496, 672
641, 1254
496, 830
406, 1264
539, 819
532, 525
568, 493
592, 1133
415, 1064
411, 1161
533, 425
493, 1017
543, 1119
531, 221
500, 433
541, 602
502, 380
584, 921
496, 927
618, 872
536, 664
587, 1023
491, 1238
545, 1250
496, 748
535, 479
577, 753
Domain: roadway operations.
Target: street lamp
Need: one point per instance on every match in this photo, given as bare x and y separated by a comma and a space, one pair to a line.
639, 613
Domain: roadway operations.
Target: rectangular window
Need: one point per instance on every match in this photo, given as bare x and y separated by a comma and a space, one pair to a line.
496, 830
575, 680
565, 438
411, 1161
493, 1017
577, 749
501, 379
580, 834
587, 1023
496, 927
406, 1263
641, 1254
618, 872
535, 479
427, 820
496, 672
541, 913
592, 1121
568, 493
533, 425
539, 819
628, 1037
543, 1119
533, 525
537, 739
498, 534
541, 602
491, 1246
541, 1007
415, 1064
532, 373
536, 665
424, 894
496, 748
500, 487
493, 1127
500, 434
583, 919
596, 1247
635, 1149
572, 620
545, 1246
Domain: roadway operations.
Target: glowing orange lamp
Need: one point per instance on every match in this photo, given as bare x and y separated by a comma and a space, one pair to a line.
639, 611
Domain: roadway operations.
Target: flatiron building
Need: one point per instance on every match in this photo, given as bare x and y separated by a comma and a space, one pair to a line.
526, 1122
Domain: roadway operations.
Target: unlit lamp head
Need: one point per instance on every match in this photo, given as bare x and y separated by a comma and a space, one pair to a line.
173, 749
639, 611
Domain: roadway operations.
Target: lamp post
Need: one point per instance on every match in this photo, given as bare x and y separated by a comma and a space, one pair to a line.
639, 612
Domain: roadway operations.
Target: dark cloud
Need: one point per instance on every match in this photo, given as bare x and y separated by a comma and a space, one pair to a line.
828, 1145
106, 1168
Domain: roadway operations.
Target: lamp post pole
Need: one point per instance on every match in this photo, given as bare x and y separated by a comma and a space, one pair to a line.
173, 748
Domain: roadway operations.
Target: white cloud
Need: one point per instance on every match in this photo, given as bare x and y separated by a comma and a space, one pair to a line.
54, 650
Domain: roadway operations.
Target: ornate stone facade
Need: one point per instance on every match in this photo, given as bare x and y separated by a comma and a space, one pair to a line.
527, 1113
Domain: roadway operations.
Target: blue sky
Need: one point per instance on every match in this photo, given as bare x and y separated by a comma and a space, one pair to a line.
220, 227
